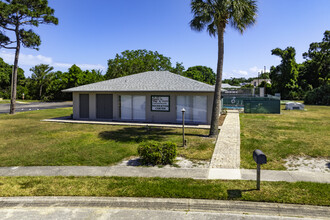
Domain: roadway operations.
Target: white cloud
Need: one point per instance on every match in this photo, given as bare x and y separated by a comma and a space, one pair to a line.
32, 60
255, 69
7, 57
91, 66
62, 65
241, 72
227, 75
25, 59
251, 72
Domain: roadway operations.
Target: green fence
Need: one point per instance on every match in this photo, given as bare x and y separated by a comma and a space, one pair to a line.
230, 102
266, 105
271, 106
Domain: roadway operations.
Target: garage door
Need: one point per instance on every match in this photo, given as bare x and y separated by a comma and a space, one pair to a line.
83, 106
104, 106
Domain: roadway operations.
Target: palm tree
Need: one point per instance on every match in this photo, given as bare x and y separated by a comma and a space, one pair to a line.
215, 15
41, 76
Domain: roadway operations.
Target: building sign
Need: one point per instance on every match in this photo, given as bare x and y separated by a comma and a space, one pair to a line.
160, 103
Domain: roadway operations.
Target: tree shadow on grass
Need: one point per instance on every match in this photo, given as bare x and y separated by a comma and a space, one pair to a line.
237, 193
140, 134
137, 134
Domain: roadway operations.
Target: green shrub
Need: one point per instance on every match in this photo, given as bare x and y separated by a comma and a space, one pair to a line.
318, 96
155, 153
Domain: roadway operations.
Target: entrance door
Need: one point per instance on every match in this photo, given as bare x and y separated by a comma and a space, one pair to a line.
186, 103
104, 106
199, 109
195, 108
133, 107
139, 108
83, 106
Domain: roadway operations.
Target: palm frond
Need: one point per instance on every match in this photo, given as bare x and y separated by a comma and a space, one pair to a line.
243, 14
211, 14
203, 16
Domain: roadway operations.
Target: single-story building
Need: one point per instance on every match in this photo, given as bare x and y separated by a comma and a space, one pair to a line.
154, 96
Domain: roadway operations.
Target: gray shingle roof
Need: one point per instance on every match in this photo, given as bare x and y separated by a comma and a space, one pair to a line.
146, 81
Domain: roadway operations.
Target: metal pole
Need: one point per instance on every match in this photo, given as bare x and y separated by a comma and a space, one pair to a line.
183, 142
258, 176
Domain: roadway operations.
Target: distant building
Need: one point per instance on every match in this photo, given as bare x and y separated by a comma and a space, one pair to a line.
227, 86
243, 84
257, 82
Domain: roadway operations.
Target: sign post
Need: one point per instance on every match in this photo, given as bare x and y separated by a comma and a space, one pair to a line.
260, 158
258, 176
183, 140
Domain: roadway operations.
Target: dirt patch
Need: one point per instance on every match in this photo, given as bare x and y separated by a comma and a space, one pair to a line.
222, 119
180, 162
308, 164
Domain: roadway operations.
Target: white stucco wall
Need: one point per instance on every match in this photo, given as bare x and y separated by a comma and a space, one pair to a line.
151, 116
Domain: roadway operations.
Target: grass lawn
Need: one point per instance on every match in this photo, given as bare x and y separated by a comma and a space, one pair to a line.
281, 192
292, 133
26, 141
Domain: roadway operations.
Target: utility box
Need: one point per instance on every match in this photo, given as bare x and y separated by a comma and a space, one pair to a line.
294, 106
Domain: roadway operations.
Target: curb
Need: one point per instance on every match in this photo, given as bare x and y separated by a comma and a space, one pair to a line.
199, 205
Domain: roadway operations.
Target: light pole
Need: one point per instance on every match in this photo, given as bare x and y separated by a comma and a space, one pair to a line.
183, 141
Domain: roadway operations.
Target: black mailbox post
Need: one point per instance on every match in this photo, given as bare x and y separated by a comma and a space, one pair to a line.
260, 158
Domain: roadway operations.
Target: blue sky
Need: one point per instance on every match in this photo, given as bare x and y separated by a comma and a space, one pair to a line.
91, 32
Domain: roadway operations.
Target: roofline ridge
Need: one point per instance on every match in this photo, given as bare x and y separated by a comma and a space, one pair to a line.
203, 83
104, 82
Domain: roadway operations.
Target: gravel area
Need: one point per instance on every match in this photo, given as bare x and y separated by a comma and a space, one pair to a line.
308, 164
179, 163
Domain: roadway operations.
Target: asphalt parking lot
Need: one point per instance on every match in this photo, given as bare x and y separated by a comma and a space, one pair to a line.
23, 107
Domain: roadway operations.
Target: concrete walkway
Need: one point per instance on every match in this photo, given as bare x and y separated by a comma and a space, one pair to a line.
76, 207
74, 121
227, 149
172, 172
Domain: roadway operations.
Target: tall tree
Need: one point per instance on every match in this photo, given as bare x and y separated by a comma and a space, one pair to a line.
284, 77
215, 15
315, 71
14, 16
41, 76
201, 73
6, 71
93, 76
137, 61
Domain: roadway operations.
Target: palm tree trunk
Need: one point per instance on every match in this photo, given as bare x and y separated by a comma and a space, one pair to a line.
14, 76
40, 91
217, 92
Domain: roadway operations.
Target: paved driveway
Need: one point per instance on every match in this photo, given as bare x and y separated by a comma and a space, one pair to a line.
20, 107
77, 207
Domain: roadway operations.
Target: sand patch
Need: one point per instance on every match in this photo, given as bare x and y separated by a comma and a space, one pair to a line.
308, 164
180, 162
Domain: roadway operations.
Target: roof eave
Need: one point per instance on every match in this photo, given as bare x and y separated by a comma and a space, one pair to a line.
195, 91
